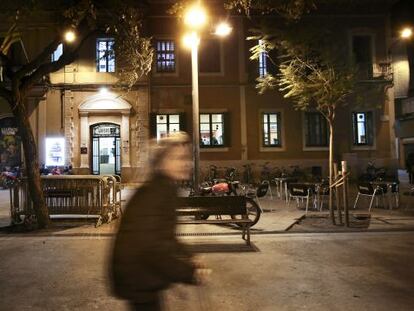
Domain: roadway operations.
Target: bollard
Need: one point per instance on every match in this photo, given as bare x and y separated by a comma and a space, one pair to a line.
345, 191
337, 199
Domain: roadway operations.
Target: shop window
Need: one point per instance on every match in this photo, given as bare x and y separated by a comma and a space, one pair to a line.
271, 130
105, 56
316, 130
363, 129
165, 56
212, 130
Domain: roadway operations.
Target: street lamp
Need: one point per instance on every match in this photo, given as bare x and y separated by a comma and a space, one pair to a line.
195, 18
70, 36
406, 33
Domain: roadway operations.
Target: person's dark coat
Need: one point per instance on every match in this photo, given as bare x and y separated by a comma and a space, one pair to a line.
147, 257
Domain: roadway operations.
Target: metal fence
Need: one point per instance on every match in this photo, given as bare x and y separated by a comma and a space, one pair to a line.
86, 196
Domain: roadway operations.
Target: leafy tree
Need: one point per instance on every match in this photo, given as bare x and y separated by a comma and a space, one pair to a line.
313, 76
86, 18
312, 72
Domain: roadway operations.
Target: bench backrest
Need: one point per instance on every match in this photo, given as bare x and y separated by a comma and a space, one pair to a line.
210, 205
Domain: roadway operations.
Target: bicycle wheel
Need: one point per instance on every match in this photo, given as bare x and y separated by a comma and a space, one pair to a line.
253, 212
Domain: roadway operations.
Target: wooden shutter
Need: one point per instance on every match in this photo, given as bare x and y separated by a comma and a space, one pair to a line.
183, 122
153, 125
227, 129
370, 128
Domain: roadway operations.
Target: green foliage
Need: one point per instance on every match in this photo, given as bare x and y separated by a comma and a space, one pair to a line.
312, 71
134, 53
290, 9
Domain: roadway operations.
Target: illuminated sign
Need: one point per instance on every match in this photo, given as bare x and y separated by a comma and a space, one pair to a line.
55, 151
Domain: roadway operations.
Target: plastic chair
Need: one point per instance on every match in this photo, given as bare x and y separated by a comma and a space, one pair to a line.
322, 191
395, 192
300, 192
369, 190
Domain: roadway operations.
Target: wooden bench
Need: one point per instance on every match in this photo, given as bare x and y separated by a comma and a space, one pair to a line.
199, 206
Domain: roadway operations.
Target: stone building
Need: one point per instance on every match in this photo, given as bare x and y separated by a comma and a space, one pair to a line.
102, 130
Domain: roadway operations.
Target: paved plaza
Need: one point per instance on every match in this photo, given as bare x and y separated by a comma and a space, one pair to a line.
66, 268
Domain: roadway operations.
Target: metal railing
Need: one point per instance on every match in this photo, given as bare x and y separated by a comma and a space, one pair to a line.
86, 196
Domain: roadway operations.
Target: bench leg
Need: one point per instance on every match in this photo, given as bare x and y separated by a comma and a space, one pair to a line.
246, 233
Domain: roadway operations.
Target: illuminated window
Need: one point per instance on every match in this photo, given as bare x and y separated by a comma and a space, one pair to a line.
57, 53
165, 61
263, 70
105, 56
212, 130
271, 132
363, 129
166, 124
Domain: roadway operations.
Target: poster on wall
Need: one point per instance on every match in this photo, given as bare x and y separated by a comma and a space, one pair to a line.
10, 142
55, 151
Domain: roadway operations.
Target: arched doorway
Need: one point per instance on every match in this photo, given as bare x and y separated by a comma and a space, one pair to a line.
109, 115
106, 149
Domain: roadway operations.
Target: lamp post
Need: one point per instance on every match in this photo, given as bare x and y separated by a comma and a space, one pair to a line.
192, 40
195, 19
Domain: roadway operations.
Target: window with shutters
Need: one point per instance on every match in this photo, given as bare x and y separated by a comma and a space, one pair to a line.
316, 130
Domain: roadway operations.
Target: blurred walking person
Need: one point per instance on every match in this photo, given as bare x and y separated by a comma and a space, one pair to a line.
147, 257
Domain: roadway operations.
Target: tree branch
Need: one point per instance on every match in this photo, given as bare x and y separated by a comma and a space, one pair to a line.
40, 59
6, 63
67, 57
6, 94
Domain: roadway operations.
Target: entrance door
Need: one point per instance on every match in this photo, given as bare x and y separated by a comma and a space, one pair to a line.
106, 149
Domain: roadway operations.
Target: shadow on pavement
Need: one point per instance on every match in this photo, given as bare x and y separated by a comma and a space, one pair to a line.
223, 248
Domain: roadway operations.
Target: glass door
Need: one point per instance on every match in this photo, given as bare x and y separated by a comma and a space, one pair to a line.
106, 149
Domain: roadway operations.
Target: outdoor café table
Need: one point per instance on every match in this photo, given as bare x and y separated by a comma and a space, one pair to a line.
389, 184
282, 186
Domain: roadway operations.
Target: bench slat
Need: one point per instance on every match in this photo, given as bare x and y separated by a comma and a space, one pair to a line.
214, 221
199, 205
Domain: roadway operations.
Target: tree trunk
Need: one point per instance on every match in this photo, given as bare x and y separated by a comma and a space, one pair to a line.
32, 165
331, 170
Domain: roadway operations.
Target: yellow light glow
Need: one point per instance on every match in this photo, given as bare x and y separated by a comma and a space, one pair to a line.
191, 39
223, 29
195, 17
103, 91
70, 36
406, 33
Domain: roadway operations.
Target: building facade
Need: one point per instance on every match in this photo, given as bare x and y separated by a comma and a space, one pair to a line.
82, 120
